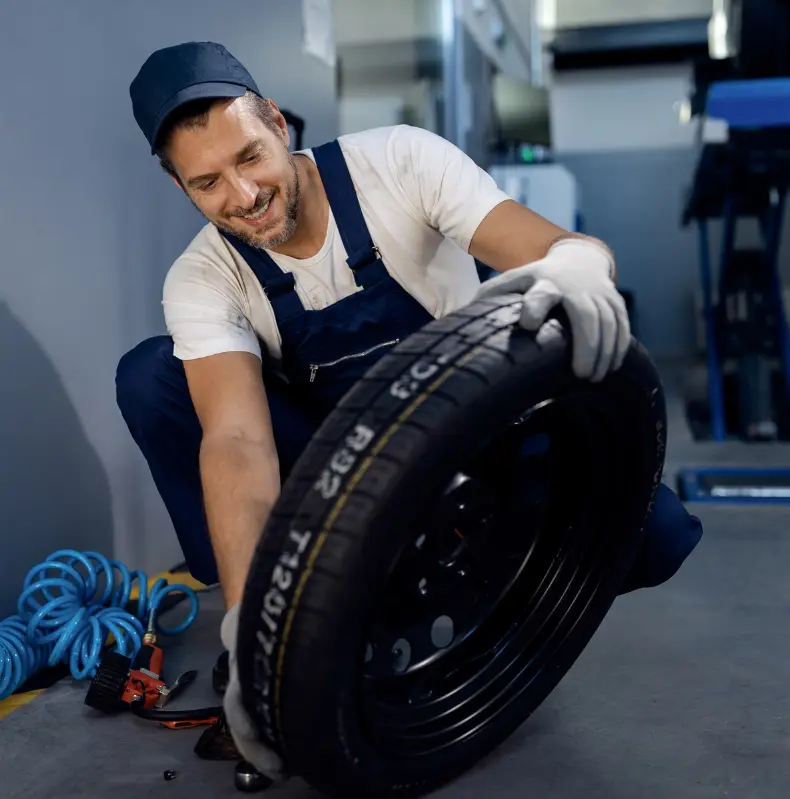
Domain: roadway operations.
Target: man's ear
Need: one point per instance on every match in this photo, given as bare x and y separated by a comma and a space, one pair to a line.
282, 125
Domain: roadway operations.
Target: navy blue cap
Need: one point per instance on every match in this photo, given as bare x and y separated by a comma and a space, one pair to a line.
177, 75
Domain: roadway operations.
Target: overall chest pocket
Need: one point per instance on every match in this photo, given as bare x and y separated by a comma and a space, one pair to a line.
352, 365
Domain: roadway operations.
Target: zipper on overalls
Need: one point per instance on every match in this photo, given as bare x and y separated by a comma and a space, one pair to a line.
314, 367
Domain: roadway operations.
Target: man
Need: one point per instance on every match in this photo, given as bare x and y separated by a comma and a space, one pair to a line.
310, 267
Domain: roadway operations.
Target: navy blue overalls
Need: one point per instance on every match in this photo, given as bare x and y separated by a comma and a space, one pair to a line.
323, 353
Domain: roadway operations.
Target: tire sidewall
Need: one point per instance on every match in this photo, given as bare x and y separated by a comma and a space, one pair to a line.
533, 377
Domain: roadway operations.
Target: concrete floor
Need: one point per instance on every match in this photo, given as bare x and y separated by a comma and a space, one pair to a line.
684, 691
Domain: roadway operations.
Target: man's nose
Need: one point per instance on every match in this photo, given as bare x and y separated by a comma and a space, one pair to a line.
245, 193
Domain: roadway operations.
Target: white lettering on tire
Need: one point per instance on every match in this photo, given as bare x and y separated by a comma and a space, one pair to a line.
328, 484
267, 644
282, 577
276, 601
360, 438
285, 577
407, 385
300, 539
343, 460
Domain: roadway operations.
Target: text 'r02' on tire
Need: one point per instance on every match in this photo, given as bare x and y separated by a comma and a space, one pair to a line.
443, 551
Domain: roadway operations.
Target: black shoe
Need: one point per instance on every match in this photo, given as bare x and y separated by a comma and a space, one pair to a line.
221, 673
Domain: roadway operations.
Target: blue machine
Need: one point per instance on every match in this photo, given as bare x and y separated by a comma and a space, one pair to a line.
744, 84
748, 176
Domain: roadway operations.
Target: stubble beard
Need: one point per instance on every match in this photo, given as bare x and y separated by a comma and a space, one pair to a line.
261, 239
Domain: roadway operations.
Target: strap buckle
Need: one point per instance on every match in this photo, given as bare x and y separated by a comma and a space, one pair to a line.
278, 286
360, 258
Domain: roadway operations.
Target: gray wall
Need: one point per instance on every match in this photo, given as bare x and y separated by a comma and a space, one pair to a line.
618, 131
89, 226
633, 200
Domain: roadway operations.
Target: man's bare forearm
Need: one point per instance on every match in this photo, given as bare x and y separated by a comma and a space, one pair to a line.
513, 235
241, 483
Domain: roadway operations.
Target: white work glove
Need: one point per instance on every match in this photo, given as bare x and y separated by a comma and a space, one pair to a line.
242, 730
576, 273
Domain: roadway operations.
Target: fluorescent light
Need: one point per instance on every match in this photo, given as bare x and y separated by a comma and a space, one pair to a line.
718, 28
546, 13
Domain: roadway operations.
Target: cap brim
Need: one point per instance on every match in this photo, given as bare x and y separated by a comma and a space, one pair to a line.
200, 91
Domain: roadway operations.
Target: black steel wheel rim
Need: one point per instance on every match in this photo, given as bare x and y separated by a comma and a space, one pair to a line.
421, 705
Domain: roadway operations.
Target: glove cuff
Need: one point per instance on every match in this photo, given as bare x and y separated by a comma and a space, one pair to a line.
229, 628
606, 262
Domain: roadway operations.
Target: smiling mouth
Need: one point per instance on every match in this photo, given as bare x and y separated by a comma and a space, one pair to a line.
260, 218
260, 212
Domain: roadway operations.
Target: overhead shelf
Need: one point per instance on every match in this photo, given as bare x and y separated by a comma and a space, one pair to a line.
632, 44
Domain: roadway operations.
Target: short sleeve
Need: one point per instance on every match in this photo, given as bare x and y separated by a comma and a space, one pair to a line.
204, 311
444, 186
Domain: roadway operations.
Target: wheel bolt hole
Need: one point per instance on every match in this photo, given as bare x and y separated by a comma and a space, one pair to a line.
401, 655
442, 632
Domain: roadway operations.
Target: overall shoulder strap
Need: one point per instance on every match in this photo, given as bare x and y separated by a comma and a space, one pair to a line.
363, 256
279, 286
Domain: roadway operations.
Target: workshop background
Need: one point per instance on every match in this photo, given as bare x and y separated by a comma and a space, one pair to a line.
90, 226
592, 112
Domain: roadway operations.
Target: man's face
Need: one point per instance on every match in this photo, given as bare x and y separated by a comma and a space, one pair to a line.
239, 174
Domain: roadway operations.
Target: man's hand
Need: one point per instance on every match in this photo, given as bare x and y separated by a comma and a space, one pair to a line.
577, 273
265, 760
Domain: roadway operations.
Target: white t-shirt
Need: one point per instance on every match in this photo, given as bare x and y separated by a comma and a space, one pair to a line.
422, 199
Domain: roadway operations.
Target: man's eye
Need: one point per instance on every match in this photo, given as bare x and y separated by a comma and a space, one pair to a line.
251, 159
208, 186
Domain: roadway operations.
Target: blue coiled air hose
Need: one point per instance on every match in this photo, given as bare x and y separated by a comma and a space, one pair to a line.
69, 605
